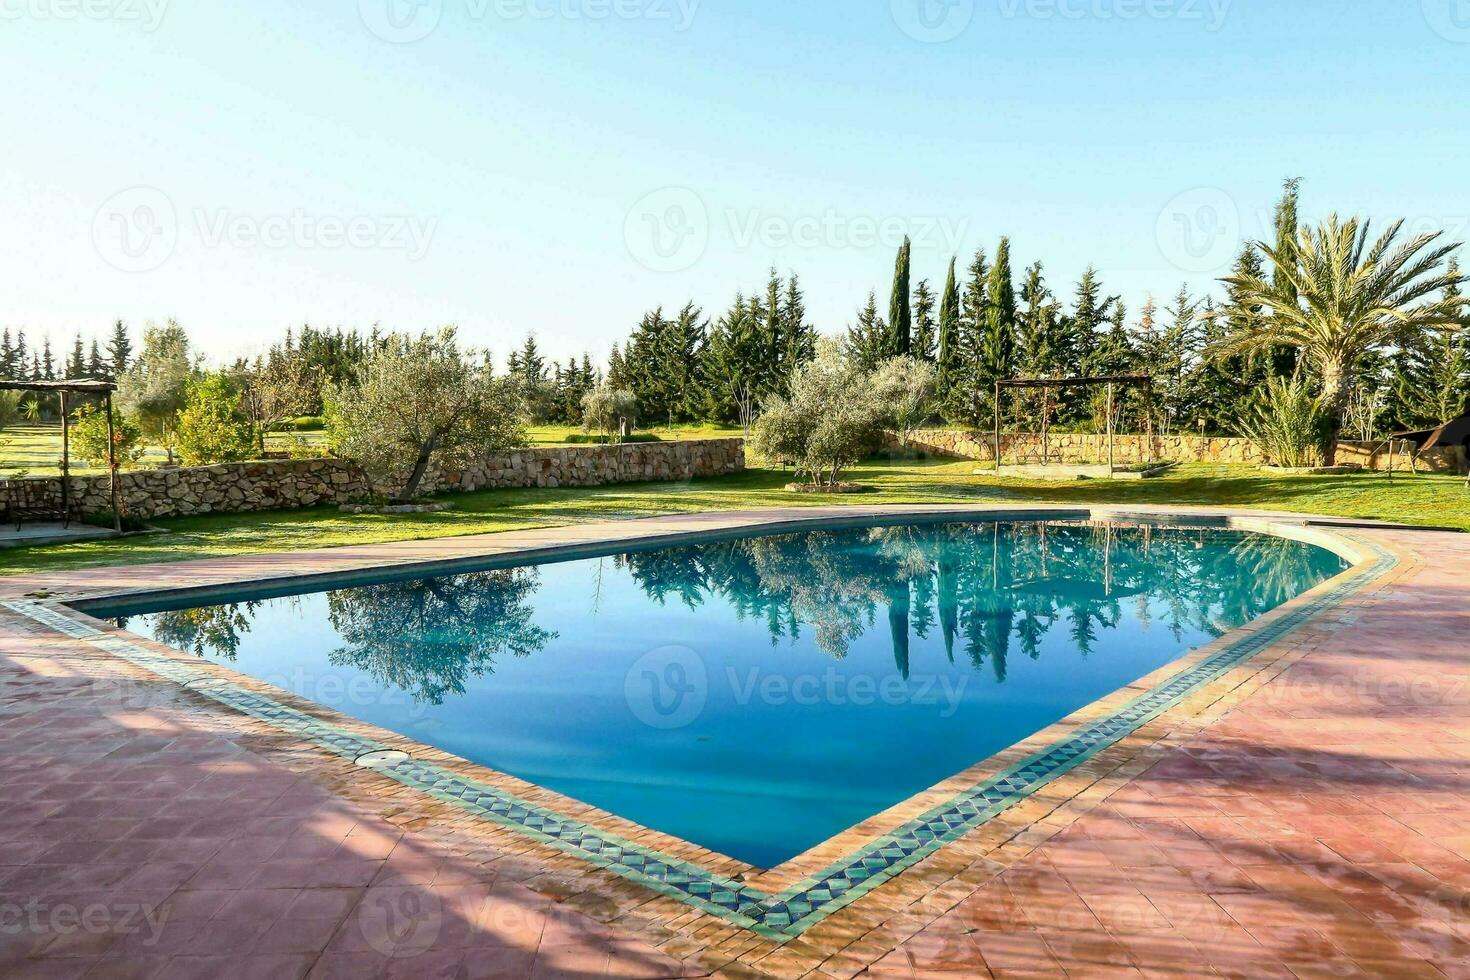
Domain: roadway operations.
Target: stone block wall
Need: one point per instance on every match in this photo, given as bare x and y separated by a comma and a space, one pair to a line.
289, 484
1080, 448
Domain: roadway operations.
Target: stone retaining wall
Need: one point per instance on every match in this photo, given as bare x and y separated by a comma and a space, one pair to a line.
1078, 448
286, 484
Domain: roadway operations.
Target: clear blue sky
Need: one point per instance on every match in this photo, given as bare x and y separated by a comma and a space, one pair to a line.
507, 171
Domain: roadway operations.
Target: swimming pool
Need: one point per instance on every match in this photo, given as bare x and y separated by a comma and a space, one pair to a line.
758, 696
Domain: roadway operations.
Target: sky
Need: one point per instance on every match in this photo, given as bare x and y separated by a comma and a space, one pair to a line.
561, 166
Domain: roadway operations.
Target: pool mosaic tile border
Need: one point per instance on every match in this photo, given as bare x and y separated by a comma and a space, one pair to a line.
789, 913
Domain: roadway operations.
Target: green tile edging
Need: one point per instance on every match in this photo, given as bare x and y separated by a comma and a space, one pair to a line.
790, 913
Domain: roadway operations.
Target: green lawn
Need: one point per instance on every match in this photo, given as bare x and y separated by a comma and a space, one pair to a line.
36, 449
1430, 500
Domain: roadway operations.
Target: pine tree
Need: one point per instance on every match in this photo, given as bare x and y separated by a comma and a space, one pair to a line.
680, 350
96, 367
799, 336
48, 363
732, 369
1172, 361
868, 339
1038, 347
615, 368
7, 356
76, 367
900, 320
120, 350
968, 396
1090, 315
924, 337
1430, 376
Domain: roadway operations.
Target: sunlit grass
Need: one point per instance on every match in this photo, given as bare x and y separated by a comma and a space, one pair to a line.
1429, 500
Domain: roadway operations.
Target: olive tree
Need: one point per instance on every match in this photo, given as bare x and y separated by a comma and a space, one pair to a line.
156, 387
421, 400
605, 407
904, 388
831, 420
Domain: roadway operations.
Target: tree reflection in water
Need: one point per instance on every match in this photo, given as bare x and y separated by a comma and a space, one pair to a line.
991, 590
987, 587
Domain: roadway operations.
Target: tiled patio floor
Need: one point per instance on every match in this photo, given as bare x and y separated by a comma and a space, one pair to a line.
1313, 822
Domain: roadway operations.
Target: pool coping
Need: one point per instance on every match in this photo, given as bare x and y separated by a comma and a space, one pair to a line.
749, 903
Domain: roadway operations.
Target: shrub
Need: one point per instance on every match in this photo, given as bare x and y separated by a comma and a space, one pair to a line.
604, 409
210, 428
89, 436
419, 400
1288, 423
831, 421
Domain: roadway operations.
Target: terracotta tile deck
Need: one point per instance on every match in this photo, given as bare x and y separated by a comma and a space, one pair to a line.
1309, 817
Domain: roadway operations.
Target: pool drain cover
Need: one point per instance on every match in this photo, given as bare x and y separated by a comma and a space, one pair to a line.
385, 759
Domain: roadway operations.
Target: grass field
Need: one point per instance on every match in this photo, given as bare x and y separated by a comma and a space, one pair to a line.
36, 449
1431, 500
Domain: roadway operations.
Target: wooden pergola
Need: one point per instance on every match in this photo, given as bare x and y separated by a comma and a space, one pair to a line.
1113, 381
80, 386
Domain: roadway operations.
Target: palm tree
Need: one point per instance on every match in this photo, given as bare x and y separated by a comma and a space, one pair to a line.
1335, 298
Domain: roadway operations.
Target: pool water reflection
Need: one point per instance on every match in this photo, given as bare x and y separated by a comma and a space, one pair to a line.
759, 696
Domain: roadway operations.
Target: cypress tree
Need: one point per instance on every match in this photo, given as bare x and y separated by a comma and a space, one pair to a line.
949, 334
900, 321
924, 338
998, 339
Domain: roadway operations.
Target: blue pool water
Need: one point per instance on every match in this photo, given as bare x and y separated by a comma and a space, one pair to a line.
759, 696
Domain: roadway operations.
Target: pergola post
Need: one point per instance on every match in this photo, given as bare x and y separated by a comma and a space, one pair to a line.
997, 428
65, 463
1111, 455
112, 467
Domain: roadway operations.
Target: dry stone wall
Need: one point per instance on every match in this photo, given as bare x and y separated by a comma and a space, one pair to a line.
1019, 447
287, 484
